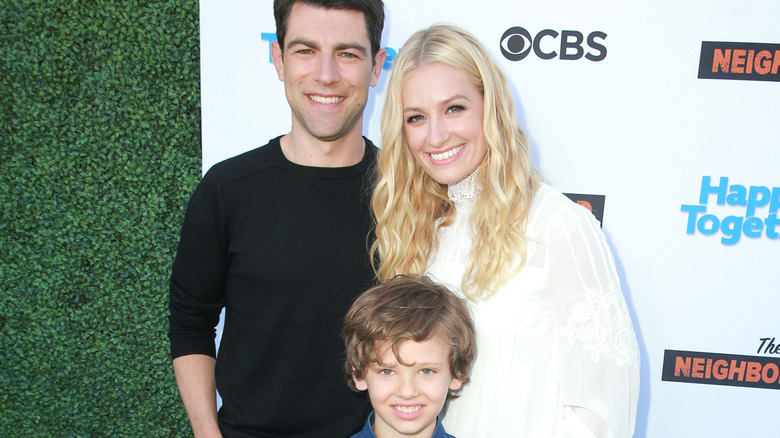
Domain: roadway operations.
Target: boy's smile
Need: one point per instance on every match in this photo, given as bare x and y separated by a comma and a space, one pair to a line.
408, 395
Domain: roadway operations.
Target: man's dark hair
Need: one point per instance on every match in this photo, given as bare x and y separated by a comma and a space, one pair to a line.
373, 12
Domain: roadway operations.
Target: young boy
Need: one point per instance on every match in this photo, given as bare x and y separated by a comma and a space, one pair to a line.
410, 343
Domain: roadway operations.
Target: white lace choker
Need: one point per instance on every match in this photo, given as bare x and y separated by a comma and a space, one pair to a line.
465, 190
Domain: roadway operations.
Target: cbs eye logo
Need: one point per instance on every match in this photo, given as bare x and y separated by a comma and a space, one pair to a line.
517, 43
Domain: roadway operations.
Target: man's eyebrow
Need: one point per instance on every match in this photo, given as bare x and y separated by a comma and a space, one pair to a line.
356, 46
303, 42
341, 46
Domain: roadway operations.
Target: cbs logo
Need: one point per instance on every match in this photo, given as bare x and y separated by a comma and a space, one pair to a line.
517, 43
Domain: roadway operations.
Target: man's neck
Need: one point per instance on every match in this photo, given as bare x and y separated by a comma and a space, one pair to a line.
309, 151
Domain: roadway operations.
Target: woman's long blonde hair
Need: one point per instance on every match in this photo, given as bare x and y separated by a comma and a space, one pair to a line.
407, 203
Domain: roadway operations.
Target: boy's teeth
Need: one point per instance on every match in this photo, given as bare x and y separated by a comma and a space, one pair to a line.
408, 409
326, 100
447, 154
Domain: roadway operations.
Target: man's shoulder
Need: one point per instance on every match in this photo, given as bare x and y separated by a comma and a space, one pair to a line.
244, 164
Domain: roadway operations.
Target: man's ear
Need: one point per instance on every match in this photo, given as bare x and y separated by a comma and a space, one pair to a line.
360, 383
379, 62
276, 55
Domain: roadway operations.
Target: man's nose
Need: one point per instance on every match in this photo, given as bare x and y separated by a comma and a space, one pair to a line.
327, 71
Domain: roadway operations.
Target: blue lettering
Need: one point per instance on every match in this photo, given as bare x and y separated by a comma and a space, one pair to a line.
732, 228
391, 54
753, 227
771, 226
737, 196
692, 211
754, 200
707, 189
701, 225
774, 204
271, 38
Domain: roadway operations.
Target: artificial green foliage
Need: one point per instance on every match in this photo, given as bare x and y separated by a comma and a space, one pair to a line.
99, 151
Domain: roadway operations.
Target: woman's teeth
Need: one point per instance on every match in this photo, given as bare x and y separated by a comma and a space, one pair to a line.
447, 154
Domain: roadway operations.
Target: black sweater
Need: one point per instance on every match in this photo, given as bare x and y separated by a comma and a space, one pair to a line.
283, 248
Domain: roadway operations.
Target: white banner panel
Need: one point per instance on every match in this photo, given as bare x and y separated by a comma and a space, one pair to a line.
668, 109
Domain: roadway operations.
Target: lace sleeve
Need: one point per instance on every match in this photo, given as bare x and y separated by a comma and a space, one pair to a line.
601, 324
599, 369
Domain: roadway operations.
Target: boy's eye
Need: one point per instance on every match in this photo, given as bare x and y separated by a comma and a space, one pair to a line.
426, 371
386, 372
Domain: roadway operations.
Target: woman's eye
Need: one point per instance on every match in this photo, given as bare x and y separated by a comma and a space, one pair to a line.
455, 108
413, 119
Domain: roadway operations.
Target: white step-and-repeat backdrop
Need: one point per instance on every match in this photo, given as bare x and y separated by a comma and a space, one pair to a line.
668, 110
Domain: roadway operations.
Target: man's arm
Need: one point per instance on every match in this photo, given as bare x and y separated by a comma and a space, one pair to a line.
198, 389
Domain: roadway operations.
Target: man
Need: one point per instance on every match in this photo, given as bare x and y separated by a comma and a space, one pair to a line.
278, 237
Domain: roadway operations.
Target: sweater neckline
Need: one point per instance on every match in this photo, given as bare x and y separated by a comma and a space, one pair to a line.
358, 168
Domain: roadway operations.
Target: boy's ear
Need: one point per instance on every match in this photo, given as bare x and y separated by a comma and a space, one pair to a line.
360, 383
455, 384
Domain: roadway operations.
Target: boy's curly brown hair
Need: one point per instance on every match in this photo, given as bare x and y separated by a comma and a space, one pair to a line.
407, 308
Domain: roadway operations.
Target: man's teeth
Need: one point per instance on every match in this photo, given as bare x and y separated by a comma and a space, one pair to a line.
447, 154
408, 409
326, 100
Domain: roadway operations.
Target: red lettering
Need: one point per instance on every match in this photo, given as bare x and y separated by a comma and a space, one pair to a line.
737, 371
763, 62
776, 62
749, 65
765, 375
753, 372
721, 59
721, 369
738, 61
682, 365
698, 368
708, 370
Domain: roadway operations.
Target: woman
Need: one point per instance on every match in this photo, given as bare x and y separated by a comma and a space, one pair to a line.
457, 199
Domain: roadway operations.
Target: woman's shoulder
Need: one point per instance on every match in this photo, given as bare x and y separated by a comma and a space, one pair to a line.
548, 200
549, 204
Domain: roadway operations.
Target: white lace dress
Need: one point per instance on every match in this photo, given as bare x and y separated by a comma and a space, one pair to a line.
556, 350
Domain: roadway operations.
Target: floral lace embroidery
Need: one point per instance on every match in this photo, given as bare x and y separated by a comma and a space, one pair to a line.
465, 190
602, 324
538, 332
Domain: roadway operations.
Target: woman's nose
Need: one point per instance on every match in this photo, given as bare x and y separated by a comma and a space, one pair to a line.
438, 132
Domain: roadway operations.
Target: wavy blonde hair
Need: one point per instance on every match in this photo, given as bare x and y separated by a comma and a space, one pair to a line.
409, 205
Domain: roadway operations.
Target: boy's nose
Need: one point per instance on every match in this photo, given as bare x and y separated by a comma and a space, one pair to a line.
407, 387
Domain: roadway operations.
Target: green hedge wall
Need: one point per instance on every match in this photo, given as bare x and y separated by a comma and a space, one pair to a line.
100, 149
